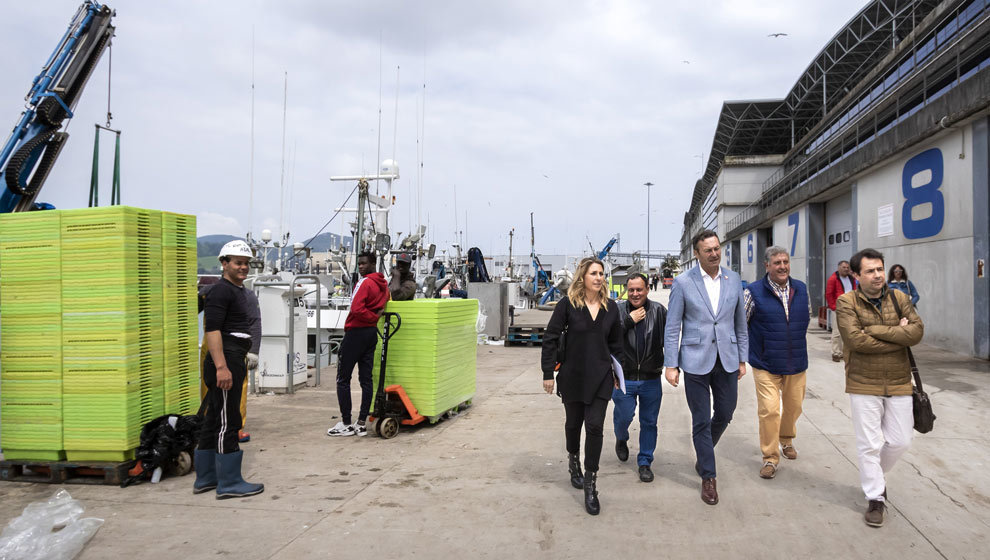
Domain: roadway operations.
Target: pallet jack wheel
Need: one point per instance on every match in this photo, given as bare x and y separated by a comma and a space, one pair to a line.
183, 464
388, 427
376, 426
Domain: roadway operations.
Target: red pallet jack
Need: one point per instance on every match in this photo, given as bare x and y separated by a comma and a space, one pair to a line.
392, 404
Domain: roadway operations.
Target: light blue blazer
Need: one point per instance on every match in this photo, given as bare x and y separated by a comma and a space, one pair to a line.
703, 334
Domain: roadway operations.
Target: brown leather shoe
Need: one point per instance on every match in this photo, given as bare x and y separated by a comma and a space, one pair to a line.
788, 451
769, 470
875, 513
709, 494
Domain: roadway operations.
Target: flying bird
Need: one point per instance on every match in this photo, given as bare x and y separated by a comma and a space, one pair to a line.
775, 35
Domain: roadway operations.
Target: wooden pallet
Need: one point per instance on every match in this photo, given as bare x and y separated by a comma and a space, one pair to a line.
65, 472
525, 336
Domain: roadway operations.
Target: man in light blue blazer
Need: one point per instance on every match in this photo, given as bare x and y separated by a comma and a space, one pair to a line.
707, 316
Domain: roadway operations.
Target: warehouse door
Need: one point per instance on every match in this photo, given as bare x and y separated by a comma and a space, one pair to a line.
838, 232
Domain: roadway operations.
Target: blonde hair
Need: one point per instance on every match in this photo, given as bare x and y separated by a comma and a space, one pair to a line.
576, 292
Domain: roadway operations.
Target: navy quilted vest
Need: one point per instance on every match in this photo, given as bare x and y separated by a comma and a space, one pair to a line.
776, 344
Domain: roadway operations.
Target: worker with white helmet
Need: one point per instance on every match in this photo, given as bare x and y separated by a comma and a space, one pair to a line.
227, 327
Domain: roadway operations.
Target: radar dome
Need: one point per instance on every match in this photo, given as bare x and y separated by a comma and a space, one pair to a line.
390, 167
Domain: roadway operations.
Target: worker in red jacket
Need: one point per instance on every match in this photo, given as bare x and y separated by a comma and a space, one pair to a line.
840, 282
358, 346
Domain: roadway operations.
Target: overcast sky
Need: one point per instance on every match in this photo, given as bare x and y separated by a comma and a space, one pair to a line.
563, 108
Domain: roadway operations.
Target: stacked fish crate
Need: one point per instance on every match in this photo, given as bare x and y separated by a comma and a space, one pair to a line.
97, 329
434, 353
31, 333
181, 329
112, 339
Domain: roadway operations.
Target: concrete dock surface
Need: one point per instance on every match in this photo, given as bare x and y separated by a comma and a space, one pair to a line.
492, 482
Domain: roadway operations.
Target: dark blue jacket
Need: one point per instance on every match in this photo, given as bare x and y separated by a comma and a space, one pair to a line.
778, 344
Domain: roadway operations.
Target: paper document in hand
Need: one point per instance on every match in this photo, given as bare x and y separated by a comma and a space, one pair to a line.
617, 370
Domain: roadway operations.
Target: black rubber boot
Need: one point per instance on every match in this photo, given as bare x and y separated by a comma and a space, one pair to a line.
591, 504
229, 481
574, 467
205, 462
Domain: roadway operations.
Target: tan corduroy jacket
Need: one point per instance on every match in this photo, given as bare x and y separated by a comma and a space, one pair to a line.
874, 344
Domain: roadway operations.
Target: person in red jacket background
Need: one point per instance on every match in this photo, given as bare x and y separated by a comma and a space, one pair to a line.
358, 346
838, 283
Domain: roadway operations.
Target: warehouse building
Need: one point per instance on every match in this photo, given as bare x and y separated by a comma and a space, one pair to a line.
884, 142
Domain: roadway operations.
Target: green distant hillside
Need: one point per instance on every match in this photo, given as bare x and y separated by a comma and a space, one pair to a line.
207, 265
207, 249
209, 245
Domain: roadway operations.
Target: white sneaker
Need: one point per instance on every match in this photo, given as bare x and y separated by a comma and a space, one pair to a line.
341, 430
360, 429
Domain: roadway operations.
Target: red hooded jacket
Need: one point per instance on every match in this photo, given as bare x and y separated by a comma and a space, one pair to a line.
370, 296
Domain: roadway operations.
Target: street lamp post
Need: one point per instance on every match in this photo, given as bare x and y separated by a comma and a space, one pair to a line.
648, 185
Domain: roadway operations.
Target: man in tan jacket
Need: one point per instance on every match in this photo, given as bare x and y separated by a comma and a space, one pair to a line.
877, 326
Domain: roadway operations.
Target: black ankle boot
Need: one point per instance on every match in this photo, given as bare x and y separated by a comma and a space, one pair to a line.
574, 467
591, 504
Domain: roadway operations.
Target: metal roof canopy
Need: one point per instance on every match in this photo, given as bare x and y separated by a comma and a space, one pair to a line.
770, 127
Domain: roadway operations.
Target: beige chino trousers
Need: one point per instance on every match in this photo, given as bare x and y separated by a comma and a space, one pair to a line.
779, 400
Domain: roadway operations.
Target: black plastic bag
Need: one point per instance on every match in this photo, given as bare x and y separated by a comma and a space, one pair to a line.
162, 440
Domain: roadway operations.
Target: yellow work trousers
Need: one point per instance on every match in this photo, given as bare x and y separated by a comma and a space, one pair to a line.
204, 350
778, 399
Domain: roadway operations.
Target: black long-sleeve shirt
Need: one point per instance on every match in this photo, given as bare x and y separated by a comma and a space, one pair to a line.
253, 311
590, 343
226, 310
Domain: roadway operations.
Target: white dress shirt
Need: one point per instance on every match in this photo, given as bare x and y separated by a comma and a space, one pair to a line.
847, 284
714, 288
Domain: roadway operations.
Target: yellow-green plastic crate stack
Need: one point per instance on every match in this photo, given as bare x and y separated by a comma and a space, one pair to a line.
181, 329
30, 336
434, 353
112, 336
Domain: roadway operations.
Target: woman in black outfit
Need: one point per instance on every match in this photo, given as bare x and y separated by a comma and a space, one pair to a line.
584, 379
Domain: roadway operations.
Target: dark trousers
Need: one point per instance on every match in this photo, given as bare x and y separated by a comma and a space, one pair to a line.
706, 428
222, 418
593, 417
357, 347
650, 393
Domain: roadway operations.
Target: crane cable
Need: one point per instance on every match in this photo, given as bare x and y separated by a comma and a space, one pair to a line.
311, 239
94, 188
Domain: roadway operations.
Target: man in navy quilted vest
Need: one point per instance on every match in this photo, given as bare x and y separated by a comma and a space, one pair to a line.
778, 313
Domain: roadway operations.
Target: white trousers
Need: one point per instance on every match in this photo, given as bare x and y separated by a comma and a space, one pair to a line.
884, 427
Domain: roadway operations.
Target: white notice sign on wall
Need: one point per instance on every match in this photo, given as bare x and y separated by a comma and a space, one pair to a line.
885, 220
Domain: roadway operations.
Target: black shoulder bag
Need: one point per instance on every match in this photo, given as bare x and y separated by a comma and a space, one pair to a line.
924, 416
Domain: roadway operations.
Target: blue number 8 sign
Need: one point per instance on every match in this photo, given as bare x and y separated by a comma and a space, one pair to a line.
749, 248
928, 193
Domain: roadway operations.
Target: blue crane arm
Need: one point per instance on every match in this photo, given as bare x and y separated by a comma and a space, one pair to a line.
30, 151
608, 247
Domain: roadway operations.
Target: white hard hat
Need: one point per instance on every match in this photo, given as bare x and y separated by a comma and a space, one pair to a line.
236, 248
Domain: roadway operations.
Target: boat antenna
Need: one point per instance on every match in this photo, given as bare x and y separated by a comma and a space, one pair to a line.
292, 178
395, 136
251, 197
421, 141
281, 202
395, 126
378, 155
